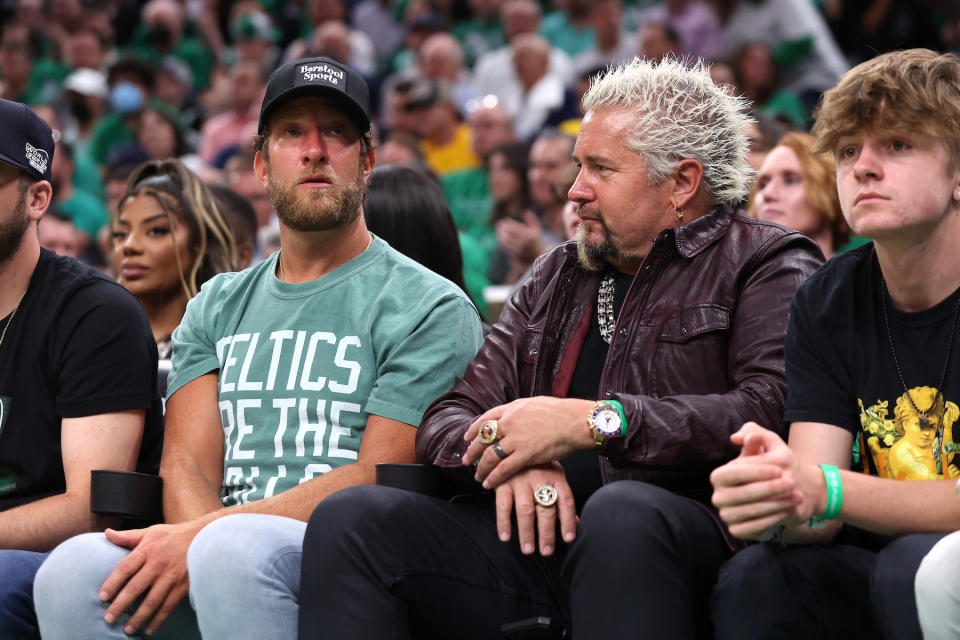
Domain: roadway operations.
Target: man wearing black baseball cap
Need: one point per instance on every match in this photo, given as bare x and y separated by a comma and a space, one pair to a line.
78, 377
290, 381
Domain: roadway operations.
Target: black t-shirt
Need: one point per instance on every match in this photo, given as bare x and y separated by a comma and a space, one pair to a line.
79, 345
583, 467
841, 370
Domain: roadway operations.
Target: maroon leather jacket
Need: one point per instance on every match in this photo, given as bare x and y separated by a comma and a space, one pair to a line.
697, 349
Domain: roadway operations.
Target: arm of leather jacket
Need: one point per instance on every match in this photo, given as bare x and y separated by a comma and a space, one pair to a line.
492, 379
694, 430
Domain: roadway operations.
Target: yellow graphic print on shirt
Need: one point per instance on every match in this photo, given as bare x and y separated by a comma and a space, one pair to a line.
908, 445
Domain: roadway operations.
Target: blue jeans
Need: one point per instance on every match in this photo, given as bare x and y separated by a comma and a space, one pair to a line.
244, 577
17, 619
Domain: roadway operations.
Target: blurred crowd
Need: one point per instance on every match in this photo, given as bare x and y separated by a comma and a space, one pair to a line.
482, 95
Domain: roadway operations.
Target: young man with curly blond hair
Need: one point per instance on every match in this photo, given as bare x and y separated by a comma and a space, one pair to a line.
873, 369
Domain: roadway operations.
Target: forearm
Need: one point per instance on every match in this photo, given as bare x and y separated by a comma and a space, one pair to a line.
693, 429
299, 502
42, 525
187, 492
898, 507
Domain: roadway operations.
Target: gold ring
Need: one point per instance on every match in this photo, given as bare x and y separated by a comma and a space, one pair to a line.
545, 495
490, 432
497, 449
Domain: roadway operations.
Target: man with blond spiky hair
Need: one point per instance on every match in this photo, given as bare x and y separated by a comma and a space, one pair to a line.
630, 355
871, 367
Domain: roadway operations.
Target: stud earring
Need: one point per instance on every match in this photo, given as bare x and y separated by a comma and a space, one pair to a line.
679, 214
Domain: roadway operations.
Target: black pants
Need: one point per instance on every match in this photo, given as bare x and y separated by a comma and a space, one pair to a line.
386, 563
820, 592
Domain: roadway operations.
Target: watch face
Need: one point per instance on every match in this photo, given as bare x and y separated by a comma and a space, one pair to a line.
606, 420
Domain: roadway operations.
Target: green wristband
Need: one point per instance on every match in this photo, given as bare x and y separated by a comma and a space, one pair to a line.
623, 416
831, 476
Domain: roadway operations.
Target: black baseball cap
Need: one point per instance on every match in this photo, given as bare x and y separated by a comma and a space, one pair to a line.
317, 77
27, 141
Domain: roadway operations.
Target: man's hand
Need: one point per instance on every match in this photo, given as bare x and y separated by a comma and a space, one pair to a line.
157, 567
763, 487
533, 431
516, 494
521, 240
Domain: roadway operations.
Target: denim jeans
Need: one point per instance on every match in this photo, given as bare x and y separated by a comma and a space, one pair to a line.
17, 619
244, 576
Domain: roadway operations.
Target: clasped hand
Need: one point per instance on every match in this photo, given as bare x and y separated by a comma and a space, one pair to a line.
532, 431
762, 488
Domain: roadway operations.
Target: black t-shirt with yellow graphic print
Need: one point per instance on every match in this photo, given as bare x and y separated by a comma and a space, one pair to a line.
840, 370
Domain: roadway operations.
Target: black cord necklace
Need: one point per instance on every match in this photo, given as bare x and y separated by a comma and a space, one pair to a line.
923, 421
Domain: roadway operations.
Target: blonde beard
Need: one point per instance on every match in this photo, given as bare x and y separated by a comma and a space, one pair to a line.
333, 208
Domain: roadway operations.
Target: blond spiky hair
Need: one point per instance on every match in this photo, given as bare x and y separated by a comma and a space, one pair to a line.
680, 114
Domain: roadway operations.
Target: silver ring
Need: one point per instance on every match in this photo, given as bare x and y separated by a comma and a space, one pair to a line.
545, 495
497, 449
490, 432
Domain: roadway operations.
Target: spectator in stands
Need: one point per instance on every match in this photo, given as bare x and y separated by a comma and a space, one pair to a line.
446, 144
395, 118
56, 232
239, 175
757, 77
169, 237
77, 383
763, 134
362, 51
253, 36
507, 177
658, 41
173, 85
160, 134
87, 50
467, 191
481, 32
872, 370
798, 189
247, 81
524, 235
84, 209
536, 91
362, 336
441, 58
20, 46
494, 70
569, 27
697, 27
548, 156
796, 34
131, 84
559, 406
85, 93
402, 148
165, 29
376, 19
242, 220
614, 44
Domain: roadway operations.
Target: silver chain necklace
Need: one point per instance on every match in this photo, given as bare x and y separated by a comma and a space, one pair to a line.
605, 317
10, 318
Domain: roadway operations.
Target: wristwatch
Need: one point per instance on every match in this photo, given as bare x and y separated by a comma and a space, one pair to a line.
606, 421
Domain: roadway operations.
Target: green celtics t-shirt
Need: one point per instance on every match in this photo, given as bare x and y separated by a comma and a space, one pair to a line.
301, 366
